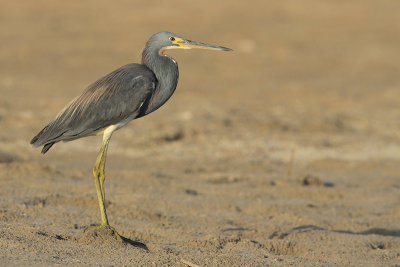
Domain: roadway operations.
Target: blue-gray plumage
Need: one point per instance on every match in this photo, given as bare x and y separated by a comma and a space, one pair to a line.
109, 101
130, 92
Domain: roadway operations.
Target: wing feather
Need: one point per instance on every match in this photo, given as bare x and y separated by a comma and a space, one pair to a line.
114, 99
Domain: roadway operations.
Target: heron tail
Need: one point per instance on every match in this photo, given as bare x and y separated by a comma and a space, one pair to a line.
36, 142
46, 147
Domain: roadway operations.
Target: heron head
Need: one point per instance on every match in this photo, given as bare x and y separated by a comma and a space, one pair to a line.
167, 40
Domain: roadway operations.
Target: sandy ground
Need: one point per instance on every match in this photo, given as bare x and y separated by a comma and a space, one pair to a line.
283, 152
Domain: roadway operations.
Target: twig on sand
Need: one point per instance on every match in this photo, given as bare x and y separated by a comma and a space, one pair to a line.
188, 263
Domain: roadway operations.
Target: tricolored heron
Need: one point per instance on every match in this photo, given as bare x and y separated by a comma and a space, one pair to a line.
127, 93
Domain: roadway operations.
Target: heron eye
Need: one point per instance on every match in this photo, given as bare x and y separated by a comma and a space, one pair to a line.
172, 38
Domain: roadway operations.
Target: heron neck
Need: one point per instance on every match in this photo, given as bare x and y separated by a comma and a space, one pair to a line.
166, 71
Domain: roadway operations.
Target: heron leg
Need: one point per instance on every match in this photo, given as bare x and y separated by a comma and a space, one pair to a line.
99, 177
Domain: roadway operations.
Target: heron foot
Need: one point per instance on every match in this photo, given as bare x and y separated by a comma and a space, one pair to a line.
107, 227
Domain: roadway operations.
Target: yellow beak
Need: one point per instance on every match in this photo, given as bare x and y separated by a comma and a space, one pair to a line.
187, 44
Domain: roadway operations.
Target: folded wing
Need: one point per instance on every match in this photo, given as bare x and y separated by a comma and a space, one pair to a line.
114, 99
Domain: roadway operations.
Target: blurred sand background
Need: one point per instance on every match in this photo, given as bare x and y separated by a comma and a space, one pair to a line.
283, 152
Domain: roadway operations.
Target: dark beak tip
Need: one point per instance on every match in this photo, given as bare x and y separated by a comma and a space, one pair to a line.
223, 48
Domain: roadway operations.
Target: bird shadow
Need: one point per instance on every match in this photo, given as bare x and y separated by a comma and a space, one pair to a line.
133, 243
371, 231
106, 234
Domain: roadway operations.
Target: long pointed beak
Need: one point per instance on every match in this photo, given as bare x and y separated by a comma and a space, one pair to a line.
187, 44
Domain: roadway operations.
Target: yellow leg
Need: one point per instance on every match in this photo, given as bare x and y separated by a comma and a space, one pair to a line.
99, 178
